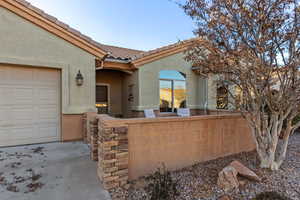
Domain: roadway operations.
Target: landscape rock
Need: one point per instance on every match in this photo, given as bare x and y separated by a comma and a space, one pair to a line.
227, 179
242, 183
224, 197
244, 171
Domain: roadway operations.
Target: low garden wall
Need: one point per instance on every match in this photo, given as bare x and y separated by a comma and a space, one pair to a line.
86, 120
131, 148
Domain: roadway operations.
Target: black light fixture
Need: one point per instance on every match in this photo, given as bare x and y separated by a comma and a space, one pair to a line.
79, 78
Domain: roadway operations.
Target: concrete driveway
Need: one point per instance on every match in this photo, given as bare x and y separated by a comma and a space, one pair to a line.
54, 171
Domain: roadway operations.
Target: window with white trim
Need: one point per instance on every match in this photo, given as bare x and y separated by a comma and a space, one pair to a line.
172, 90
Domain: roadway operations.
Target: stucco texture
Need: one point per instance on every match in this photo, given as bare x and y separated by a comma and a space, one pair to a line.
182, 142
148, 76
114, 80
23, 43
130, 93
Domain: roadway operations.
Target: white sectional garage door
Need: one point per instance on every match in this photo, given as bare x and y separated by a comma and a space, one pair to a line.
29, 105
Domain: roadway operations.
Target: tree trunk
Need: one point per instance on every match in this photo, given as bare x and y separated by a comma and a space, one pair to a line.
267, 159
284, 146
267, 148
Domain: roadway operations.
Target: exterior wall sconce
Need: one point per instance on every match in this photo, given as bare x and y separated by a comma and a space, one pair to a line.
79, 79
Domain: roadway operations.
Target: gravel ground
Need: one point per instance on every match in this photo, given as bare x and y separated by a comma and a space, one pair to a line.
198, 182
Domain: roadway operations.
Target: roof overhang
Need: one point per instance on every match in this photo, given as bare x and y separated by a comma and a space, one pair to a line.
51, 24
114, 65
160, 53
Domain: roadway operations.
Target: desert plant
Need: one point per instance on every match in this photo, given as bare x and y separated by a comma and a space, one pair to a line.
270, 196
161, 185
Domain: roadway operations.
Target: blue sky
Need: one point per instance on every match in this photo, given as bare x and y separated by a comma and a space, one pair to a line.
137, 24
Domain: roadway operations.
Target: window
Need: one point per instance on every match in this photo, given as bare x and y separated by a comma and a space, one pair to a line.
222, 97
102, 99
172, 90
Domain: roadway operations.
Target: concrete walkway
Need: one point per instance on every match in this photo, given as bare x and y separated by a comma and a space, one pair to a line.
54, 171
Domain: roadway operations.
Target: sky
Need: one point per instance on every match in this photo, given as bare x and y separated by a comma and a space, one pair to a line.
136, 24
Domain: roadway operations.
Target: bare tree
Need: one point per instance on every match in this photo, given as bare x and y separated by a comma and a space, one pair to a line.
253, 46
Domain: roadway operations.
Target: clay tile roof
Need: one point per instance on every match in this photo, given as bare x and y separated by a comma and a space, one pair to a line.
121, 53
158, 50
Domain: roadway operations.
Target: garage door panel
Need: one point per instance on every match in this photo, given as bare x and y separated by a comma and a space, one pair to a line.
3, 114
49, 130
17, 133
48, 113
3, 75
21, 74
46, 77
29, 105
6, 95
31, 132
23, 95
23, 132
26, 113
48, 96
11, 95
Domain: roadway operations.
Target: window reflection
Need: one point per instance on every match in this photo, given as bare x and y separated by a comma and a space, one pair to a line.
165, 96
172, 90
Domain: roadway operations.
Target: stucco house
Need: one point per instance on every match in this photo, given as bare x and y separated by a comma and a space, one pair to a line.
43, 61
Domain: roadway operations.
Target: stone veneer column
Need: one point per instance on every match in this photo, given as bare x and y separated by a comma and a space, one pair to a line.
94, 139
112, 153
84, 127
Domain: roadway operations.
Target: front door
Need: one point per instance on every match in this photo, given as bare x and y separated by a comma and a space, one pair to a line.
102, 98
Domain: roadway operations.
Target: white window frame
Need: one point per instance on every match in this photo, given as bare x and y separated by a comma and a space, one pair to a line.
172, 89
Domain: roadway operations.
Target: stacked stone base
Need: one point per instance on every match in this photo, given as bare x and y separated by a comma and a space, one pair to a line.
85, 128
94, 139
112, 155
109, 146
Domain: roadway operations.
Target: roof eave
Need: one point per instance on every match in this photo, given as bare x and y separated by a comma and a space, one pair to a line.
153, 57
160, 53
51, 24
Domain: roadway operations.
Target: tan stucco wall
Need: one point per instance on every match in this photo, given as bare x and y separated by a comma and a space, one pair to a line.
72, 127
114, 81
130, 82
182, 142
24, 43
177, 142
149, 82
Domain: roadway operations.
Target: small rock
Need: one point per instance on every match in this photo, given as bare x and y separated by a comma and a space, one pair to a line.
244, 171
126, 187
36, 177
228, 179
12, 188
242, 183
38, 150
224, 197
19, 179
32, 187
140, 183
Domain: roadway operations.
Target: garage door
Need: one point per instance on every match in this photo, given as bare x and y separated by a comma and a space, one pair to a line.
29, 105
